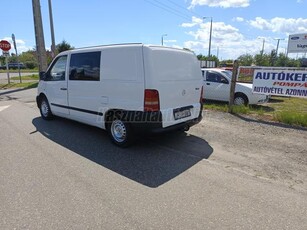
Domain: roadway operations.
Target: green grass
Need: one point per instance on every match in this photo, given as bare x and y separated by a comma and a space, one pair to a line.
25, 85
28, 77
287, 110
291, 118
22, 70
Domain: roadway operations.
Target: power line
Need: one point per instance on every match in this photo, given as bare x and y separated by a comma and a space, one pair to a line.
168, 9
191, 12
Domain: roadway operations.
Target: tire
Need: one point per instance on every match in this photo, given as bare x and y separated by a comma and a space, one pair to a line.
240, 99
120, 133
45, 109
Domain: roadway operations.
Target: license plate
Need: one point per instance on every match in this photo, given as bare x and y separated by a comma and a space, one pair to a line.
179, 114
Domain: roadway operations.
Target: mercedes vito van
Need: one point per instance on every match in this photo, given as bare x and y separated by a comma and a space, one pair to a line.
124, 89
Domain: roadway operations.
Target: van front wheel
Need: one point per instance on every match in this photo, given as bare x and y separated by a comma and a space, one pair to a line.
120, 133
44, 109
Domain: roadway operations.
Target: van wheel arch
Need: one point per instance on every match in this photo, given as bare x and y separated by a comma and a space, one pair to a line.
39, 98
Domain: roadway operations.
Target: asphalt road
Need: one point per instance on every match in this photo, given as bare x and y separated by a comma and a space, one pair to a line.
66, 175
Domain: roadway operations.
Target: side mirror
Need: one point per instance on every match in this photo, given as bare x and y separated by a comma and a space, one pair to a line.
42, 75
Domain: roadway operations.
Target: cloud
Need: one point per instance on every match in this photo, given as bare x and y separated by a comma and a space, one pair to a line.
227, 39
220, 3
195, 21
282, 25
238, 19
170, 41
20, 44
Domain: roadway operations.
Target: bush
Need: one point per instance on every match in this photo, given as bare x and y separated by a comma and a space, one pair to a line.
30, 65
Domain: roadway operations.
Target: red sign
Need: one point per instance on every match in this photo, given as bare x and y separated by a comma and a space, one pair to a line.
5, 45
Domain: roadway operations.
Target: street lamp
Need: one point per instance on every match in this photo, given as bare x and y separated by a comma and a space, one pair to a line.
263, 41
209, 52
163, 35
278, 39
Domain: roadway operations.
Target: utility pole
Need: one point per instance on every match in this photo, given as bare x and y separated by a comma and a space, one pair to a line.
209, 52
278, 39
39, 36
52, 30
162, 41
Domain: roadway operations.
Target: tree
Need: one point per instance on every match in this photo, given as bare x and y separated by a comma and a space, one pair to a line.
246, 60
29, 59
63, 46
261, 60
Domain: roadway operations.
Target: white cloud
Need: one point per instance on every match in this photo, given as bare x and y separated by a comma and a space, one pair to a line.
195, 21
283, 25
20, 44
238, 19
220, 3
170, 41
228, 40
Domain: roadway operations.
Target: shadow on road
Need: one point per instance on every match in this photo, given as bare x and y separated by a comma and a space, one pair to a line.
152, 161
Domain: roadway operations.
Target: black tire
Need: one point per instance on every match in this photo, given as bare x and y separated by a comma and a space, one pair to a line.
45, 109
120, 133
240, 99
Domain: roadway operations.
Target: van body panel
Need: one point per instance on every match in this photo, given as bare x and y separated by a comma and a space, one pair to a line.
177, 76
122, 77
116, 85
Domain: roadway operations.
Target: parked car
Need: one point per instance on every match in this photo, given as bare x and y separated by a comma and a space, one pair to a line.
216, 83
14, 65
155, 89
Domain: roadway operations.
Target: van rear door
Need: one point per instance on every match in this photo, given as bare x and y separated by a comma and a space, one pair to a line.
176, 75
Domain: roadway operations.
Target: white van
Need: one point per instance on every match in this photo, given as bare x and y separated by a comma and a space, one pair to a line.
124, 88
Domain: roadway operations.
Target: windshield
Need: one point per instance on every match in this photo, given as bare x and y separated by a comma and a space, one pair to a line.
227, 73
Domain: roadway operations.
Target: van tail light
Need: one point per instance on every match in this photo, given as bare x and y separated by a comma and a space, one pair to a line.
151, 100
201, 95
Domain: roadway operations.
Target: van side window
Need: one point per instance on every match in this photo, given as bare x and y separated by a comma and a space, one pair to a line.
85, 66
57, 71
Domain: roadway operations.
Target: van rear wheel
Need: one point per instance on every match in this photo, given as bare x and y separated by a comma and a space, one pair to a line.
120, 133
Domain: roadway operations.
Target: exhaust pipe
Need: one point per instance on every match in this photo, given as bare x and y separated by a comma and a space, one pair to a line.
186, 128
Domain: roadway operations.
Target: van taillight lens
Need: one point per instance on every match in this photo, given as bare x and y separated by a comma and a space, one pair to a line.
151, 100
201, 94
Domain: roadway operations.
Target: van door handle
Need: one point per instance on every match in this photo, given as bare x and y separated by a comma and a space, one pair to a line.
63, 88
208, 83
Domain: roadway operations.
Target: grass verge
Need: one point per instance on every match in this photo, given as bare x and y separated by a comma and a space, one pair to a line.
28, 77
25, 85
22, 71
29, 81
292, 111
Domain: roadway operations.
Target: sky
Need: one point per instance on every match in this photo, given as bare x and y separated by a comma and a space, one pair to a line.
238, 26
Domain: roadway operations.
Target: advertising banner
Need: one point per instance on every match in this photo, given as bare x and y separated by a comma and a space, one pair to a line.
280, 82
297, 43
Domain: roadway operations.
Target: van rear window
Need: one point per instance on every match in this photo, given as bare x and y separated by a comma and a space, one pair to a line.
85, 66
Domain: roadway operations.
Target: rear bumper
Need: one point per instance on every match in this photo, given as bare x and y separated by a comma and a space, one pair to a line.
151, 122
157, 127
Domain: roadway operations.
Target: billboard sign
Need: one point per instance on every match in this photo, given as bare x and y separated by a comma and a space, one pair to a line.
291, 83
297, 43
